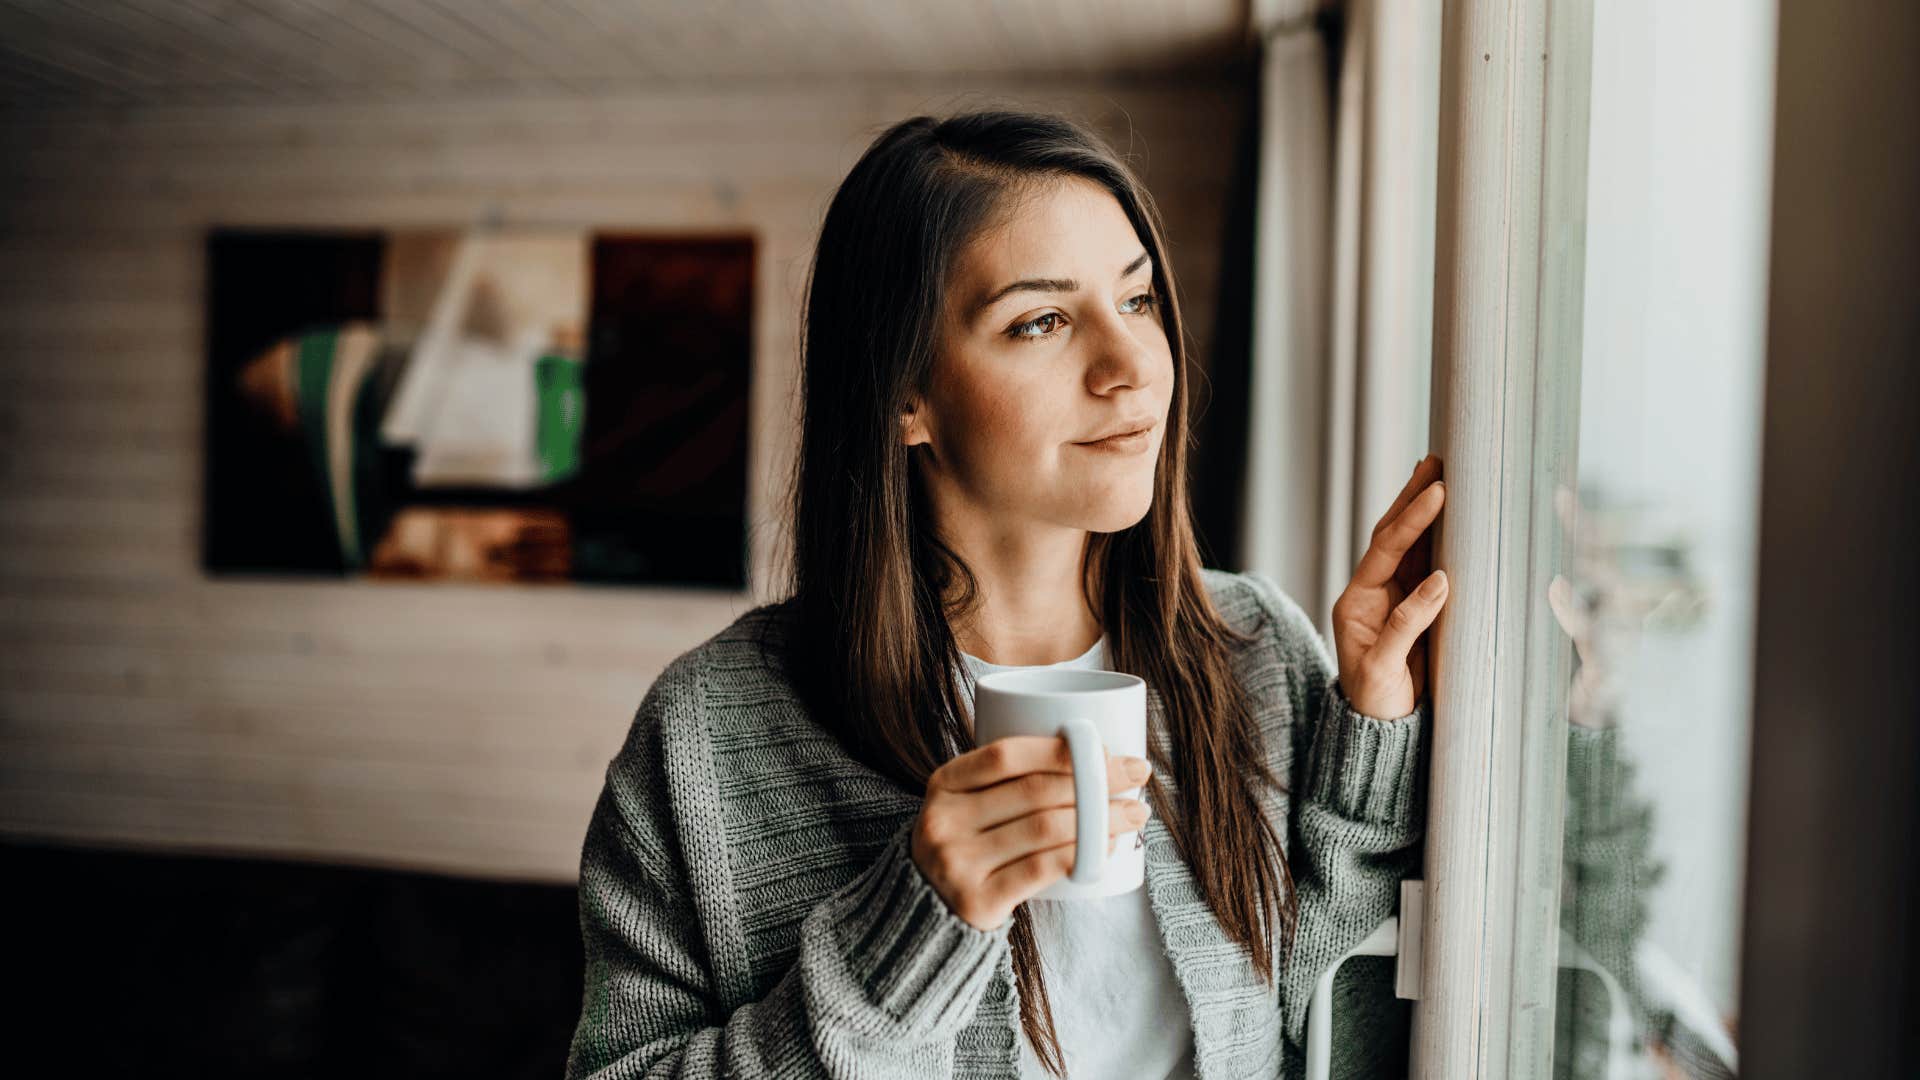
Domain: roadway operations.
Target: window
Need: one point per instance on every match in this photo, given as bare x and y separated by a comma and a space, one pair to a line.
1599, 314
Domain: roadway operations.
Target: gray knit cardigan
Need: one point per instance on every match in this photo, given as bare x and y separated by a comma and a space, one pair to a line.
749, 906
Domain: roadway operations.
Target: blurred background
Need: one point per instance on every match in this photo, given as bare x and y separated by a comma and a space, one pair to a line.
390, 389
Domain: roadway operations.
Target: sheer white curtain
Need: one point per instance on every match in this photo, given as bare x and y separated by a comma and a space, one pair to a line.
1343, 285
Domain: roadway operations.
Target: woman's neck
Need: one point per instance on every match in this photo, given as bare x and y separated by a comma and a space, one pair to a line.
1030, 605
1029, 645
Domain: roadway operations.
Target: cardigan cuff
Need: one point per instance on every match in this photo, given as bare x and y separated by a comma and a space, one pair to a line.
921, 965
1364, 768
1596, 784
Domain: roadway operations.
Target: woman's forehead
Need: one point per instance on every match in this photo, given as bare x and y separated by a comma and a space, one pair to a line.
1074, 233
1066, 219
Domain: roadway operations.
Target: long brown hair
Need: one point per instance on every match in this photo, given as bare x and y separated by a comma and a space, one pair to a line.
878, 592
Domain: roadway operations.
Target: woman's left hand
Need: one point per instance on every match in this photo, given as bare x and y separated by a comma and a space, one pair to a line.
1380, 620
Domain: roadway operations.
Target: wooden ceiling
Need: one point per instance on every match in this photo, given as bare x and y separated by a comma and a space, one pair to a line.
206, 52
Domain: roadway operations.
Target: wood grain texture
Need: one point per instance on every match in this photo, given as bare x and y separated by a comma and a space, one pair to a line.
134, 52
1484, 304
1509, 262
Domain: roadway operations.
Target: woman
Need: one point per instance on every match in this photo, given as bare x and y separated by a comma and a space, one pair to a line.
801, 864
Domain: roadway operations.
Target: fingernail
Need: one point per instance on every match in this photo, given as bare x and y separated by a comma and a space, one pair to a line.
1139, 768
1434, 585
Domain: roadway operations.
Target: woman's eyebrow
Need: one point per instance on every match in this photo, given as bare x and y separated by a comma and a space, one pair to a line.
1048, 285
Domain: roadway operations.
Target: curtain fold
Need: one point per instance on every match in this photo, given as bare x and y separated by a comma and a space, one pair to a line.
1287, 391
1343, 286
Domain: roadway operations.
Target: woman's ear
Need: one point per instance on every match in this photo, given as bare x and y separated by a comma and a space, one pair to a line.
913, 424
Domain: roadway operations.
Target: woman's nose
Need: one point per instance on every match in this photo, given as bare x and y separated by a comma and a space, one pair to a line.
1120, 358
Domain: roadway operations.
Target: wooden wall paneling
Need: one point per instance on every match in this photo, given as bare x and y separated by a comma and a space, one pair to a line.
461, 728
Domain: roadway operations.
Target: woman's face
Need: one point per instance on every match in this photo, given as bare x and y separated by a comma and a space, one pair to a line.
1052, 338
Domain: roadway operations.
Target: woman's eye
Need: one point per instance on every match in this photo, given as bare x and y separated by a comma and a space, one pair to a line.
1146, 302
1020, 329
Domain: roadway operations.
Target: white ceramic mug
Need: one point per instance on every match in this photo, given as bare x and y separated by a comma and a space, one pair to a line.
1100, 713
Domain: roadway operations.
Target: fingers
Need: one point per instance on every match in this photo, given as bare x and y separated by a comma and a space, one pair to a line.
1033, 852
1567, 505
1408, 621
1575, 617
1016, 755
1021, 879
999, 823
1003, 758
1416, 563
1425, 472
1024, 794
1052, 827
1566, 609
1390, 543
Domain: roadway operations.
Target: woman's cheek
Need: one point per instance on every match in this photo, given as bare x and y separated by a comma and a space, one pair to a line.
987, 436
1015, 411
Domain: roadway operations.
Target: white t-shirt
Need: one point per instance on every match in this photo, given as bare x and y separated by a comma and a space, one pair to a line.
1117, 1008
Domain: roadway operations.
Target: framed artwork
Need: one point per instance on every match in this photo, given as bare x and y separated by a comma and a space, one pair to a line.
495, 404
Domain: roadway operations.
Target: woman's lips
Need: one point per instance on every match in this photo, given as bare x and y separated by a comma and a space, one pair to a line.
1125, 444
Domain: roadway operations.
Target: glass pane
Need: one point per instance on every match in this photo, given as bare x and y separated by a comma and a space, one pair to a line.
1656, 564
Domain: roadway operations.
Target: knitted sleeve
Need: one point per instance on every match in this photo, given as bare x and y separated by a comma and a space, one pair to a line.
1357, 810
1607, 870
884, 978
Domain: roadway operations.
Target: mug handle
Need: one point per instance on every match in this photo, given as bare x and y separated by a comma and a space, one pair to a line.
1089, 799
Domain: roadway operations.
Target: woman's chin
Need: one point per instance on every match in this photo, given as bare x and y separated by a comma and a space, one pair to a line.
1122, 510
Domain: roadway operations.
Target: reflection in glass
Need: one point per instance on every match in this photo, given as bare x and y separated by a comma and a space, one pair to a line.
1653, 586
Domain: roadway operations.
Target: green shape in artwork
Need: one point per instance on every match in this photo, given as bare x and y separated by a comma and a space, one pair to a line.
562, 395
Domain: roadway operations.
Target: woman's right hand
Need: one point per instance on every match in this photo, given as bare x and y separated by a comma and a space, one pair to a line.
998, 823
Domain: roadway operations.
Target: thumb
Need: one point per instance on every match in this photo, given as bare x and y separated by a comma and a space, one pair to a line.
1410, 619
